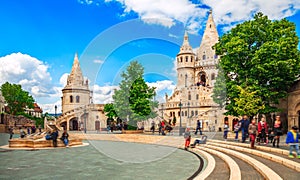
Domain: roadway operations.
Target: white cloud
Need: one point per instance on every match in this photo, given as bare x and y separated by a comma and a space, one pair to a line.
27, 71
98, 61
50, 108
162, 85
194, 14
63, 79
103, 94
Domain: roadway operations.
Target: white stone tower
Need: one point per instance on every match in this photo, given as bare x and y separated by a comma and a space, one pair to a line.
76, 93
206, 56
185, 64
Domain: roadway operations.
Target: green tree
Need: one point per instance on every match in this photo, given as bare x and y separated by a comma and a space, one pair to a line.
247, 102
260, 55
110, 111
134, 99
16, 98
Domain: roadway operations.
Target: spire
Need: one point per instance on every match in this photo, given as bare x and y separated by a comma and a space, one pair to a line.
186, 47
210, 34
75, 78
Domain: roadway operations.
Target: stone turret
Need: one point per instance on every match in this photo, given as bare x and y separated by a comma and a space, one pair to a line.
206, 56
76, 93
185, 64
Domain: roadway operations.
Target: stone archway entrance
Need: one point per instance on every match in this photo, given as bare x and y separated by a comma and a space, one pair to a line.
73, 124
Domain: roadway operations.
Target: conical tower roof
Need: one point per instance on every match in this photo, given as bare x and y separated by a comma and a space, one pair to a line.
186, 47
75, 79
210, 36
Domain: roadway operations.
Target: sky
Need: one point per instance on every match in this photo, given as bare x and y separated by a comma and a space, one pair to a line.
39, 38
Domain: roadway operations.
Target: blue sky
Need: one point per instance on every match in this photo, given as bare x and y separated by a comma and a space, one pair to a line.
40, 37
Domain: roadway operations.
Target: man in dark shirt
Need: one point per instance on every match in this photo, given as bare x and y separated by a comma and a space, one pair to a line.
244, 127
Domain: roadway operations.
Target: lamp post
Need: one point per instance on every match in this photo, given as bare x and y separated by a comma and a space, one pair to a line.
180, 125
188, 115
162, 111
84, 111
55, 107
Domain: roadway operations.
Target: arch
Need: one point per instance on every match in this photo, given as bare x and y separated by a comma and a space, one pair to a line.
201, 78
186, 58
180, 59
73, 124
71, 99
77, 99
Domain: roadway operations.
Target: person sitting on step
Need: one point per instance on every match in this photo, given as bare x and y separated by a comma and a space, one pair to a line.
201, 140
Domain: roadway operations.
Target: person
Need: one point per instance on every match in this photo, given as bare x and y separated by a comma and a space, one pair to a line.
244, 127
28, 130
33, 129
277, 128
201, 140
252, 129
187, 137
22, 133
40, 128
236, 128
163, 128
198, 127
226, 128
152, 127
11, 132
292, 139
262, 131
159, 127
65, 138
54, 136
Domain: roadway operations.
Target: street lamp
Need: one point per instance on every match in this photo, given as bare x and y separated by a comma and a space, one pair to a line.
162, 111
55, 107
84, 111
180, 125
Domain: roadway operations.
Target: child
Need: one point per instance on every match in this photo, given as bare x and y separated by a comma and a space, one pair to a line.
226, 128
187, 137
252, 131
292, 140
237, 127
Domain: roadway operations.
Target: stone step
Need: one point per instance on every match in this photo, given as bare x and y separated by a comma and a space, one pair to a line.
264, 170
235, 172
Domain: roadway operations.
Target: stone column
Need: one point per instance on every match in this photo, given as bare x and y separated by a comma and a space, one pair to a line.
68, 125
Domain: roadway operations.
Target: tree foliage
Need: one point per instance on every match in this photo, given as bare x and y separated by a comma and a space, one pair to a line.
110, 110
134, 99
247, 103
260, 55
16, 98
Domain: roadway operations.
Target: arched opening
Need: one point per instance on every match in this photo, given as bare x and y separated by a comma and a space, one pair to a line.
201, 79
73, 124
186, 59
64, 125
71, 99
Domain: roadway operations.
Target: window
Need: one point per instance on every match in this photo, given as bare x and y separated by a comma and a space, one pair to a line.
204, 57
171, 114
213, 76
185, 113
71, 99
182, 114
210, 26
192, 113
178, 113
191, 58
77, 99
189, 96
196, 112
186, 59
197, 96
180, 59
216, 56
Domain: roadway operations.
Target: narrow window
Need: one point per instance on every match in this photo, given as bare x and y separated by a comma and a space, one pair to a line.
197, 96
71, 99
204, 57
186, 59
77, 99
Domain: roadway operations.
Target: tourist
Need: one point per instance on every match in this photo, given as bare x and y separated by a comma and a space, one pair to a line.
187, 137
262, 131
33, 129
22, 133
198, 127
237, 128
54, 136
28, 130
277, 128
244, 127
292, 139
65, 138
152, 127
40, 128
201, 140
252, 132
11, 132
226, 129
159, 127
